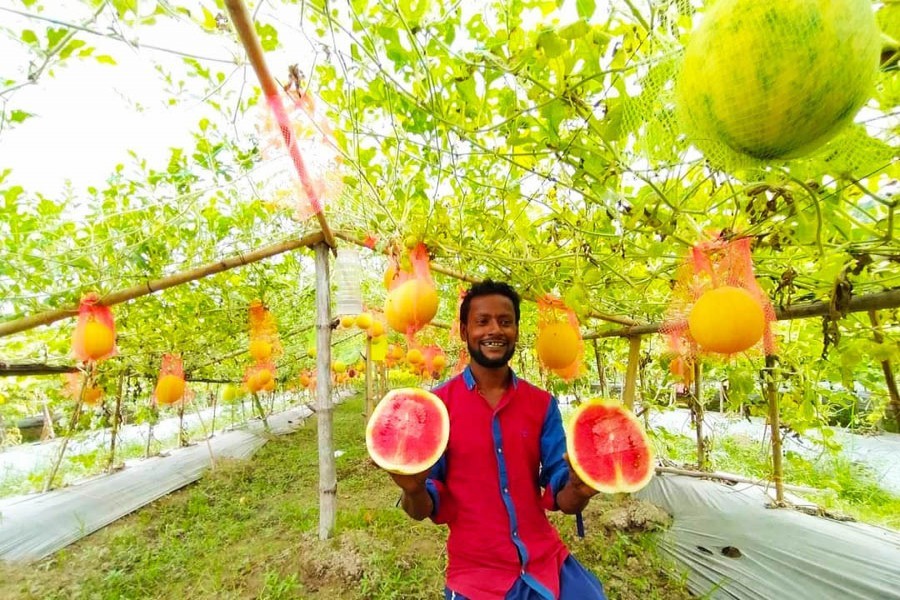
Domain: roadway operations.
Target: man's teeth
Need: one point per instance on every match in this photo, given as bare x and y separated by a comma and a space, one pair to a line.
494, 344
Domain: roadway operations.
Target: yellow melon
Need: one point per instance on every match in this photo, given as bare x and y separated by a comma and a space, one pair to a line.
557, 345
727, 319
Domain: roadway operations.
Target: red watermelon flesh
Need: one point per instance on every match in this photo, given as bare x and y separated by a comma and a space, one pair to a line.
608, 448
408, 431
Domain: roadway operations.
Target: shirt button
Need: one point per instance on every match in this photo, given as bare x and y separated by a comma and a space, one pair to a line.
505, 490
515, 534
499, 450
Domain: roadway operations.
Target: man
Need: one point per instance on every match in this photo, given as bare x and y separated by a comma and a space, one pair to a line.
506, 445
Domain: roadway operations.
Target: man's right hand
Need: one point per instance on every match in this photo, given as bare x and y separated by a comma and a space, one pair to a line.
410, 484
416, 500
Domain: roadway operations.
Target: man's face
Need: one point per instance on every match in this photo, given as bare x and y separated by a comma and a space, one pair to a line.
490, 332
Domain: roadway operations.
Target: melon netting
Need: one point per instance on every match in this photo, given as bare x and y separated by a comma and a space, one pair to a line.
552, 310
656, 127
709, 265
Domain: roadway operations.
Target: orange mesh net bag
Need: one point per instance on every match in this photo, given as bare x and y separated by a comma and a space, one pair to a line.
94, 338
412, 300
717, 307
170, 386
265, 344
76, 386
559, 345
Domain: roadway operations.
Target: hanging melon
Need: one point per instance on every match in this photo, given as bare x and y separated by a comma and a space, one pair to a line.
557, 345
727, 319
411, 305
774, 79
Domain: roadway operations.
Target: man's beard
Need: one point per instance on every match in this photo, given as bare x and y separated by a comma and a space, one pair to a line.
490, 363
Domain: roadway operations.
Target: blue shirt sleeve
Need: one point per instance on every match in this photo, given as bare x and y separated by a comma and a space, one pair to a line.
435, 483
554, 469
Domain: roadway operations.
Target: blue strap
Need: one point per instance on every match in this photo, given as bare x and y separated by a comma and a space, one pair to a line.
579, 524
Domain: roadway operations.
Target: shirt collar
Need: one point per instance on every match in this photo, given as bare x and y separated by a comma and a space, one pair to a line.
470, 379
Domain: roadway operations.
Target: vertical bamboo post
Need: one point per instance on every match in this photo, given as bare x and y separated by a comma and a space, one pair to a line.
697, 410
117, 411
325, 408
634, 356
214, 396
601, 374
370, 393
72, 423
775, 425
889, 379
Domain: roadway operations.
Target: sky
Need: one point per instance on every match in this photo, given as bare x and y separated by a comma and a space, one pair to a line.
88, 114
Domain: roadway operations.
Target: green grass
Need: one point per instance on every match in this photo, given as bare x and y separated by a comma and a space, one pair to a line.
849, 487
249, 530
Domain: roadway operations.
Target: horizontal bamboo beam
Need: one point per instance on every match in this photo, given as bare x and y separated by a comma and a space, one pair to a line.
31, 369
876, 301
156, 285
470, 279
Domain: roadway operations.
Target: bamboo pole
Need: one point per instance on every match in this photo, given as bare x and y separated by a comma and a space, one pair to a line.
775, 425
621, 320
601, 374
697, 412
887, 369
325, 408
878, 300
156, 285
634, 357
48, 484
117, 411
31, 369
243, 24
370, 394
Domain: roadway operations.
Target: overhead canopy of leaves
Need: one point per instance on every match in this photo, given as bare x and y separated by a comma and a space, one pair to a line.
528, 140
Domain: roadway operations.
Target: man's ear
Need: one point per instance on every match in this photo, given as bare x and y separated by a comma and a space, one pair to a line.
462, 331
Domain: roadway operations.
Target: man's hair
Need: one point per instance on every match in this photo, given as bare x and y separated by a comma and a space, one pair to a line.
488, 287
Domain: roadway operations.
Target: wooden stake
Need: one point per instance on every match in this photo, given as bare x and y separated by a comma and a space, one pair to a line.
634, 357
117, 411
48, 484
894, 406
601, 374
775, 425
370, 393
325, 408
697, 412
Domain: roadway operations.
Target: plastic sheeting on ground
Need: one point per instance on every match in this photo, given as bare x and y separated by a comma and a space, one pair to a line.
734, 546
878, 452
34, 526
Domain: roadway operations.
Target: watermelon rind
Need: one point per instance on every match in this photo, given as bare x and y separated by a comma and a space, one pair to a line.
610, 482
394, 438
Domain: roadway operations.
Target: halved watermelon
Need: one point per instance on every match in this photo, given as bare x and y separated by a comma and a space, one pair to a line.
608, 448
408, 431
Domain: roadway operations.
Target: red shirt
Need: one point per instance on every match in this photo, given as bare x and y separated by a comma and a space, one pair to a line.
487, 487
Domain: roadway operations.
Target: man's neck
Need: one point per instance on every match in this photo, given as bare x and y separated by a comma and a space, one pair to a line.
490, 379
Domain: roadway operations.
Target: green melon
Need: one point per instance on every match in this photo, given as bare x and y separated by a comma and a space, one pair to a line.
775, 79
608, 448
408, 431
